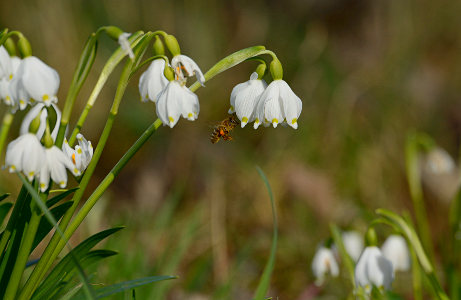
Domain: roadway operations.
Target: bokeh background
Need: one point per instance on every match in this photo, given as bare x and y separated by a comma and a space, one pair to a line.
368, 72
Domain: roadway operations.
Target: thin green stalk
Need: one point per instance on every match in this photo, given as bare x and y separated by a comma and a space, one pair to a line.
6, 124
23, 255
109, 67
413, 144
83, 212
47, 257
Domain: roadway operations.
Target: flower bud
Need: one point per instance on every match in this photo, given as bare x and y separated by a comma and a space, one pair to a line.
276, 69
169, 73
172, 45
10, 46
113, 32
159, 49
260, 70
371, 238
24, 47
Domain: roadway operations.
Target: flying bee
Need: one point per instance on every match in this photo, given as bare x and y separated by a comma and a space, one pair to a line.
222, 129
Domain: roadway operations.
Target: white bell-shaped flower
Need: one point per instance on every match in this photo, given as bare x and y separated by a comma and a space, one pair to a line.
25, 154
6, 68
244, 98
278, 103
17, 90
125, 44
438, 161
153, 81
324, 263
81, 155
54, 166
353, 243
40, 81
373, 269
396, 250
177, 100
184, 67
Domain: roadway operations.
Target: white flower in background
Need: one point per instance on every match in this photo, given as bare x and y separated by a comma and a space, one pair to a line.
277, 104
25, 154
395, 249
353, 243
54, 166
438, 162
81, 155
373, 269
125, 44
324, 263
152, 81
184, 63
244, 98
40, 81
176, 100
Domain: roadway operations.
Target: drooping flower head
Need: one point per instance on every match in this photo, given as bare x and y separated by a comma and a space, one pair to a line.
395, 249
373, 269
353, 243
153, 81
54, 166
177, 100
244, 98
38, 80
278, 104
324, 263
25, 154
184, 67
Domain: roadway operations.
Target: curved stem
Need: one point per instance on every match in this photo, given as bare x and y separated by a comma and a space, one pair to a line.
105, 184
111, 64
6, 124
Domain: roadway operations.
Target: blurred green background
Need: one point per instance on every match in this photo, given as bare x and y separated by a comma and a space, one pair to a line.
368, 72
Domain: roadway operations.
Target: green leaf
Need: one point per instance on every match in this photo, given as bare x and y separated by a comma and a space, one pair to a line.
67, 283
4, 209
4, 196
67, 265
40, 204
52, 201
45, 226
126, 285
264, 281
228, 62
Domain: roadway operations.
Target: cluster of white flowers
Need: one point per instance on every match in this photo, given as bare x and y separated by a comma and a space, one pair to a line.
252, 100
26, 81
31, 81
374, 266
274, 104
172, 98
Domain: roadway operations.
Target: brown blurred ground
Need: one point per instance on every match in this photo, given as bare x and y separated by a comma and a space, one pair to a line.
368, 72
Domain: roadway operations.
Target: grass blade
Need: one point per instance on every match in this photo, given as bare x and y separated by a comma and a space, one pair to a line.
264, 282
36, 197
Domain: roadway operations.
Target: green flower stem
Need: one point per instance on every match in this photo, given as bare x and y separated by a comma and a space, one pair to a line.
112, 62
23, 255
83, 212
6, 124
47, 257
229, 62
412, 149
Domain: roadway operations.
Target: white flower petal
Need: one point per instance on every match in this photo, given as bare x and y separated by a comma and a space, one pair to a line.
396, 250
30, 116
40, 81
373, 269
190, 66
125, 44
324, 263
6, 70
